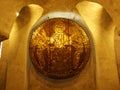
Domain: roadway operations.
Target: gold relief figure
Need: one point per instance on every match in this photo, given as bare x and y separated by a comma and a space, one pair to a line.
59, 48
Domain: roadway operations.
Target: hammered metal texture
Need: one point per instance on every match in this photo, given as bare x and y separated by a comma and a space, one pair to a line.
59, 48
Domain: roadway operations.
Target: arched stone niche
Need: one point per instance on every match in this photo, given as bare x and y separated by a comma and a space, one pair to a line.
62, 80
97, 74
59, 45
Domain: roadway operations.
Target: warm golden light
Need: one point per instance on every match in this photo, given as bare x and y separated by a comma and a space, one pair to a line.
59, 48
59, 39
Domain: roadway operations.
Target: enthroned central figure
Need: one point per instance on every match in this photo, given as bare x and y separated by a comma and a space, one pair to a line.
59, 48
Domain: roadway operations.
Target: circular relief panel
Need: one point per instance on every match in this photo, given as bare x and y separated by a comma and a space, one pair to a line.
59, 48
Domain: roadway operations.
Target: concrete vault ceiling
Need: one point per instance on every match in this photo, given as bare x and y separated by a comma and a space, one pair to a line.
9, 9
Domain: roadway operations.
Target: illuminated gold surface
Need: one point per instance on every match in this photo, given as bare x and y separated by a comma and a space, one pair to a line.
59, 48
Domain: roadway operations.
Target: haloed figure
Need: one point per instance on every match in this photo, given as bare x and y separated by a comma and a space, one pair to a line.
59, 48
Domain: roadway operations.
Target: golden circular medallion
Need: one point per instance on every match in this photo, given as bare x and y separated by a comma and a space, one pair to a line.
59, 48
